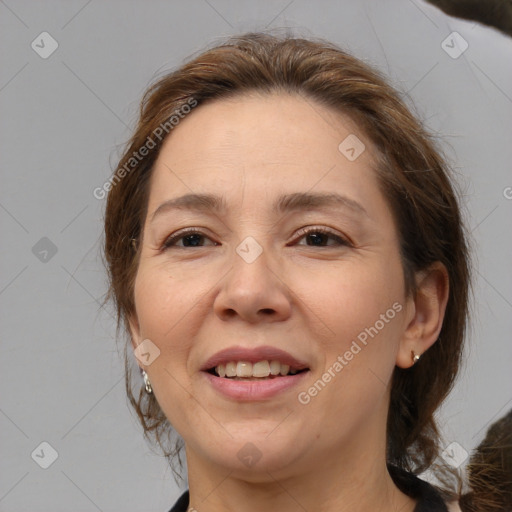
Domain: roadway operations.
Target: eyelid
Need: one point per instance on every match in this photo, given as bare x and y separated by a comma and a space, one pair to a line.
342, 240
177, 235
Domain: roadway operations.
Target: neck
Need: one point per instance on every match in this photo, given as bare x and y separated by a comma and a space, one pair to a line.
316, 491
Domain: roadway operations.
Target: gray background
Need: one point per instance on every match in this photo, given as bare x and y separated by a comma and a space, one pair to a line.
62, 121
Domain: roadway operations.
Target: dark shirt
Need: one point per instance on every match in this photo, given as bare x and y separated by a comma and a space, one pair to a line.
428, 498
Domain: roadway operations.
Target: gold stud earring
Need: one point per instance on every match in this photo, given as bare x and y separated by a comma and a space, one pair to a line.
415, 357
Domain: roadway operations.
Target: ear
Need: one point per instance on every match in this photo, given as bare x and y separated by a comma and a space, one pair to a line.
427, 311
134, 333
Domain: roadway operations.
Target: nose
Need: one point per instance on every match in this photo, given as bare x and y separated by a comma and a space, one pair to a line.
253, 291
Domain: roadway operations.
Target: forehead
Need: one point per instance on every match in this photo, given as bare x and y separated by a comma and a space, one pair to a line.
261, 126
259, 144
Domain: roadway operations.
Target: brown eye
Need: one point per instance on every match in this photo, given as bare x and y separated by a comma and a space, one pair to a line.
190, 237
320, 235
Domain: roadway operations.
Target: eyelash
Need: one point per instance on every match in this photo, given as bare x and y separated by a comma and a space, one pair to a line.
171, 240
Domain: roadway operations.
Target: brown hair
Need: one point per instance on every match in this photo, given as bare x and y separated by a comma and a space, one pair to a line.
490, 471
412, 173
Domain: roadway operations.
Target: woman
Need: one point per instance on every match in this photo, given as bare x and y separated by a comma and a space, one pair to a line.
286, 253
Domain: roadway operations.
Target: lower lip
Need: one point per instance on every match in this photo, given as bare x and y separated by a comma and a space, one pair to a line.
253, 390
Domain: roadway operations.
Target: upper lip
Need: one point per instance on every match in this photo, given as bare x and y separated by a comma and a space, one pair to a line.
253, 355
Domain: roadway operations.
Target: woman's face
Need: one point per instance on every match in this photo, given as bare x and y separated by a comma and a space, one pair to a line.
252, 281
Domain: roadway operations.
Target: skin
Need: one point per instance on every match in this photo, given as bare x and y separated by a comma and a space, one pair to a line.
311, 298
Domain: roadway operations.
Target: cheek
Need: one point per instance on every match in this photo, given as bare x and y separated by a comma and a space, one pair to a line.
363, 306
163, 315
162, 309
162, 300
352, 297
365, 316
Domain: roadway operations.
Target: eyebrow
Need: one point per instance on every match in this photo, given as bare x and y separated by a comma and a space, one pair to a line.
285, 203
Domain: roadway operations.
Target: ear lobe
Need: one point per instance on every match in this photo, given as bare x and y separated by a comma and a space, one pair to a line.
429, 305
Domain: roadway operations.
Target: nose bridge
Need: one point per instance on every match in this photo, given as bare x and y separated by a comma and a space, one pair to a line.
250, 250
251, 266
252, 288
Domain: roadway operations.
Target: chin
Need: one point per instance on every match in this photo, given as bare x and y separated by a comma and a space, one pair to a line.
254, 457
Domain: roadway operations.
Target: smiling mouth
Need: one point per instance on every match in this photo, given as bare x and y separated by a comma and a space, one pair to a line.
262, 370
248, 379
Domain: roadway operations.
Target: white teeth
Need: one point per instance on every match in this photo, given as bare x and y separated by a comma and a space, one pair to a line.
275, 367
243, 369
231, 369
261, 369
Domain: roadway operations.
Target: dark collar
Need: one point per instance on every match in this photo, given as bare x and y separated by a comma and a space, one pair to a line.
428, 498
